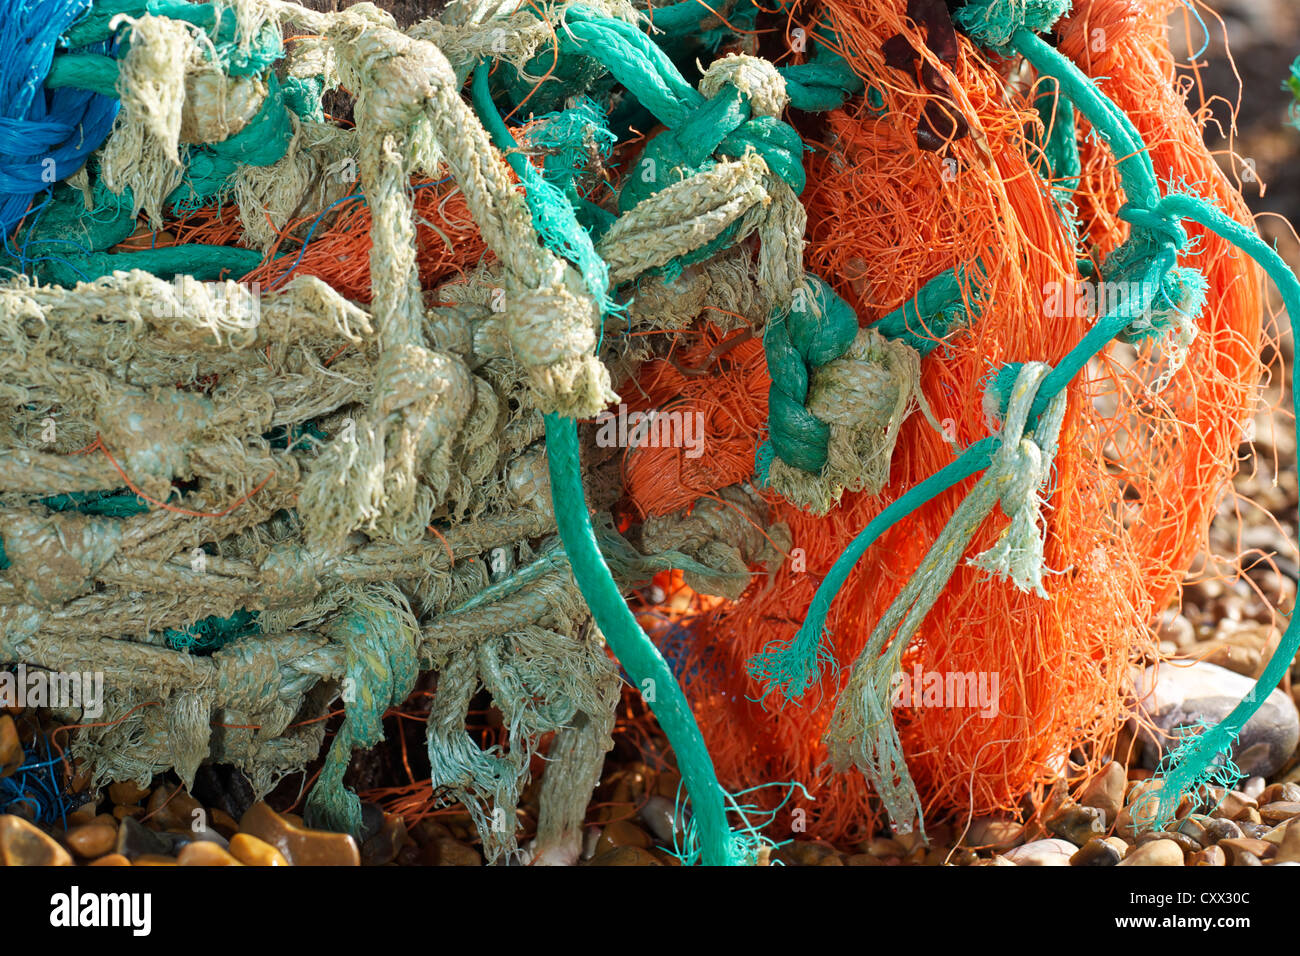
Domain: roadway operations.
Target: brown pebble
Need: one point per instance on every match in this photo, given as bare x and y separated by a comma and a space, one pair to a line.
806, 853
205, 853
11, 748
381, 849
172, 808
1106, 791
1210, 856
1235, 847
880, 847
91, 841
300, 846
24, 844
429, 830
1288, 850
1277, 792
1233, 803
122, 812
1279, 812
1188, 844
251, 851
82, 815
126, 793
1097, 852
625, 856
223, 822
622, 833
111, 859
154, 859
1155, 853
863, 859
1077, 825
454, 853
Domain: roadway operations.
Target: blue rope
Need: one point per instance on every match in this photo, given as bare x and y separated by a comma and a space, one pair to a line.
45, 136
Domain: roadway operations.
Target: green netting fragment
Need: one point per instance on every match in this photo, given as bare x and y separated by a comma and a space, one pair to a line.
212, 633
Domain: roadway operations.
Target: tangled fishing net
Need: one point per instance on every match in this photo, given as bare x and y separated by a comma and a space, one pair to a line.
918, 335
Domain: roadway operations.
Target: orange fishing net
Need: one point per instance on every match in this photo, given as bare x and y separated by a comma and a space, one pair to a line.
1136, 479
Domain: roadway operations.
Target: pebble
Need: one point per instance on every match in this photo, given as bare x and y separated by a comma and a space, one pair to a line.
1210, 856
126, 793
382, 848
1188, 844
134, 840
1277, 792
223, 822
24, 844
84, 814
450, 852
91, 840
1253, 787
1279, 812
625, 856
1219, 830
622, 833
1078, 824
172, 808
1106, 790
862, 859
300, 846
659, 814
806, 853
154, 859
1179, 695
205, 854
251, 851
1260, 849
11, 748
111, 859
1288, 850
996, 833
1155, 853
1051, 852
1097, 852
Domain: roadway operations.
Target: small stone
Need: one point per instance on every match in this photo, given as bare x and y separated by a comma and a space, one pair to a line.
1260, 849
1278, 792
1176, 697
625, 856
11, 748
1288, 850
1253, 787
1106, 790
1279, 812
112, 859
1194, 827
1248, 817
1138, 814
121, 812
622, 833
251, 851
223, 822
91, 840
662, 818
1216, 830
1097, 852
995, 833
1210, 856
172, 808
134, 841
1155, 853
454, 853
804, 853
862, 859
429, 830
1052, 852
203, 853
1119, 844
24, 844
300, 846
154, 859
1078, 824
1188, 844
83, 814
382, 848
126, 793
882, 847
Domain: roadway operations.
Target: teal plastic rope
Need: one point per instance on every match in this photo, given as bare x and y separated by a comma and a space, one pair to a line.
630, 644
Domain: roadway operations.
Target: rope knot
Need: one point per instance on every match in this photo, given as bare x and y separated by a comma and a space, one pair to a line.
838, 398
753, 76
994, 22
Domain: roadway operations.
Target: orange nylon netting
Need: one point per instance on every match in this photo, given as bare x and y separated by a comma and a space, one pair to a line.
1135, 482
